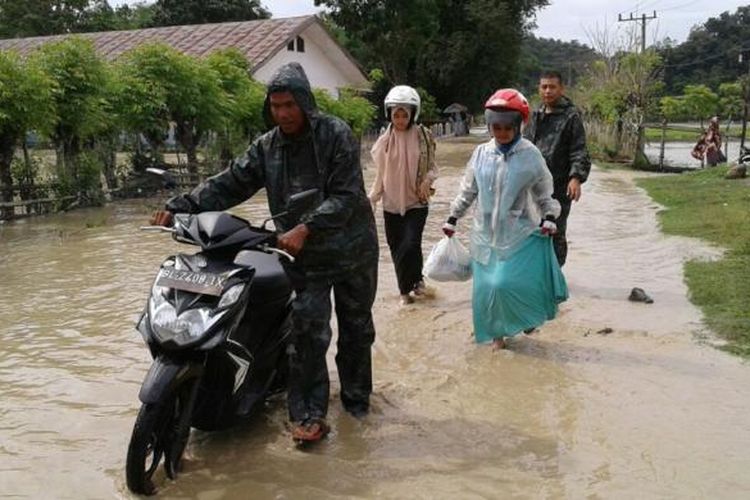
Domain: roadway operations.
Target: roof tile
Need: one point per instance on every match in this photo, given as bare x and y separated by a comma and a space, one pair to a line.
257, 40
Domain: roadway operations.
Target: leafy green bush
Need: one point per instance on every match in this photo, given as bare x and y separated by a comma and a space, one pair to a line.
357, 111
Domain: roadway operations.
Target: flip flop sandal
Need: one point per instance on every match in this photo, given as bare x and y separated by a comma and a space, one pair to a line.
310, 431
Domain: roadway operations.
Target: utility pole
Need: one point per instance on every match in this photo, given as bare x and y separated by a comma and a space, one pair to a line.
745, 92
643, 20
640, 155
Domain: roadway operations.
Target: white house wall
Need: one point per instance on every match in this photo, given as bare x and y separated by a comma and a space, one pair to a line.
321, 72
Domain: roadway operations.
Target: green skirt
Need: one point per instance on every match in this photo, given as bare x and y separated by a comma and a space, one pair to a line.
519, 292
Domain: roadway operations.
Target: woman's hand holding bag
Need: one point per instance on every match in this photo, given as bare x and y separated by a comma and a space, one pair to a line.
449, 260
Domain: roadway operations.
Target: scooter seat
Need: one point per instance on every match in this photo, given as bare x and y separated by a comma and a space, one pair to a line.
270, 281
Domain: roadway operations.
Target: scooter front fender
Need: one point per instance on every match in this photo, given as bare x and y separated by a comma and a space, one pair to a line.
165, 375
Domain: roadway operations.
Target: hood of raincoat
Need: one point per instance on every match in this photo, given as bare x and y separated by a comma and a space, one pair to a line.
291, 77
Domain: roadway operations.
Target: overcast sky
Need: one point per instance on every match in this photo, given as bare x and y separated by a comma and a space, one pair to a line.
569, 19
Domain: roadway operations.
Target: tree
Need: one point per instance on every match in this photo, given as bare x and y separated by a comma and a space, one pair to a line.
80, 80
709, 55
357, 111
51, 17
25, 104
140, 15
245, 96
618, 92
166, 86
176, 12
700, 102
730, 100
672, 108
386, 34
455, 49
571, 59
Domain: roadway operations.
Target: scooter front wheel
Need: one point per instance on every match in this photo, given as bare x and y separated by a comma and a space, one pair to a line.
148, 444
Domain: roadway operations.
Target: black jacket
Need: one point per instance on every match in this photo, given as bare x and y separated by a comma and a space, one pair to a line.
561, 138
342, 226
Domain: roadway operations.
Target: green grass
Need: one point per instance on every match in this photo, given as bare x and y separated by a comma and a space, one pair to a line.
705, 205
653, 134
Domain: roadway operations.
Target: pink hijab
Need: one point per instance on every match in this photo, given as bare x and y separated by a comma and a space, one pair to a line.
396, 156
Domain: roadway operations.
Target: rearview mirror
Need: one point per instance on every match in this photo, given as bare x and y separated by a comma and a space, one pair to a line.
298, 203
167, 179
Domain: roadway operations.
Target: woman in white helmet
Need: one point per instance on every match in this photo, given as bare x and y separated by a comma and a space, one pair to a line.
404, 156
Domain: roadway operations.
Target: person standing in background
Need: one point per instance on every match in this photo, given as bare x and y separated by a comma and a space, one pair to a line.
556, 128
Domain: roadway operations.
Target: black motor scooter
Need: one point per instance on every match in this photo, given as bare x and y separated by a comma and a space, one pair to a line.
217, 324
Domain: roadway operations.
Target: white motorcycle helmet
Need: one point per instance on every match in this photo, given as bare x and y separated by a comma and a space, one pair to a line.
401, 95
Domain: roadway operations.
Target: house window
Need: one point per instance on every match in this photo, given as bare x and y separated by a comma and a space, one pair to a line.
300, 44
290, 46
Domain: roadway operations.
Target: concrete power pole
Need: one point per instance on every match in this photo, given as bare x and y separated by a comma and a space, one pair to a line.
745, 95
640, 154
643, 20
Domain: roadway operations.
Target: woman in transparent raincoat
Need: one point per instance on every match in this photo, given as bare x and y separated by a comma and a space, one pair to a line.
518, 283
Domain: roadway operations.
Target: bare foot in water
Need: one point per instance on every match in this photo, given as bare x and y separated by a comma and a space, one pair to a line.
498, 344
406, 299
423, 291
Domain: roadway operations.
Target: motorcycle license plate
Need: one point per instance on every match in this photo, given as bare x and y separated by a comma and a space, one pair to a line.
192, 281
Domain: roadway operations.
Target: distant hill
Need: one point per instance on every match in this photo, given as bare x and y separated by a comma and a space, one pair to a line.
540, 54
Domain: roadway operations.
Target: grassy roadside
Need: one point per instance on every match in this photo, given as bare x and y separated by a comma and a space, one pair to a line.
653, 134
704, 205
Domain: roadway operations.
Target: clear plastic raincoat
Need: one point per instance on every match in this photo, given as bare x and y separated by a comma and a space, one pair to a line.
517, 281
513, 193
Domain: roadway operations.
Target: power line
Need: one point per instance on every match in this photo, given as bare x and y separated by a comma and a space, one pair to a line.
687, 4
736, 48
647, 5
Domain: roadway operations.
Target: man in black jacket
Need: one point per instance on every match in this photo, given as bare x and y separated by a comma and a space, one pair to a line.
557, 130
335, 243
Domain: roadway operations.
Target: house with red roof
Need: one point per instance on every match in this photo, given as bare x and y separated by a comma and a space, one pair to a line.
267, 44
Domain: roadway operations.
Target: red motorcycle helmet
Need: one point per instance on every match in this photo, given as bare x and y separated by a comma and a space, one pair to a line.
509, 99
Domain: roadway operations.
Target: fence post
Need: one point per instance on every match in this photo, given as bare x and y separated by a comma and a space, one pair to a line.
663, 140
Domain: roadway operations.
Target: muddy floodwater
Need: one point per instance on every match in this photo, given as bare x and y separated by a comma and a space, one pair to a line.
650, 410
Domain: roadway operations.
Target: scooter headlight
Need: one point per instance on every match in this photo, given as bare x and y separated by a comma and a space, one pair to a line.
231, 296
183, 328
188, 326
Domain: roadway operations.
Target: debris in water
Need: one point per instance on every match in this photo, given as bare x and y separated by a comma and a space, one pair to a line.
639, 295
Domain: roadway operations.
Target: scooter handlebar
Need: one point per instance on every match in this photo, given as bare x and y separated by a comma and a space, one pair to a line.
279, 251
157, 229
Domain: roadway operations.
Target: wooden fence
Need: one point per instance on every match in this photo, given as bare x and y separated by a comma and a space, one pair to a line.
34, 199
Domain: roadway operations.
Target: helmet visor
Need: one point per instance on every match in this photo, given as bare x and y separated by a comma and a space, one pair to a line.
505, 117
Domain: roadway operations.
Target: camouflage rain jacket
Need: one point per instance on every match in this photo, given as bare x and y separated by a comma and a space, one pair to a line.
342, 226
560, 137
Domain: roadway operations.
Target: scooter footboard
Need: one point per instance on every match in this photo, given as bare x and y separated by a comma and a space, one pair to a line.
165, 375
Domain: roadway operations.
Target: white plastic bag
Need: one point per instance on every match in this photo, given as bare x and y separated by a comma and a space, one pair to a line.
448, 261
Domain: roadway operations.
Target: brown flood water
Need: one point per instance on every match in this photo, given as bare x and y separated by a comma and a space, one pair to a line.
650, 410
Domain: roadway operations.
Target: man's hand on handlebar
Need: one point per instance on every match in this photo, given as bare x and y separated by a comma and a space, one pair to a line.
293, 240
161, 218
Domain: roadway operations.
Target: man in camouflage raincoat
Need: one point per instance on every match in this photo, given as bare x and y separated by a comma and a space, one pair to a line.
557, 130
335, 243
